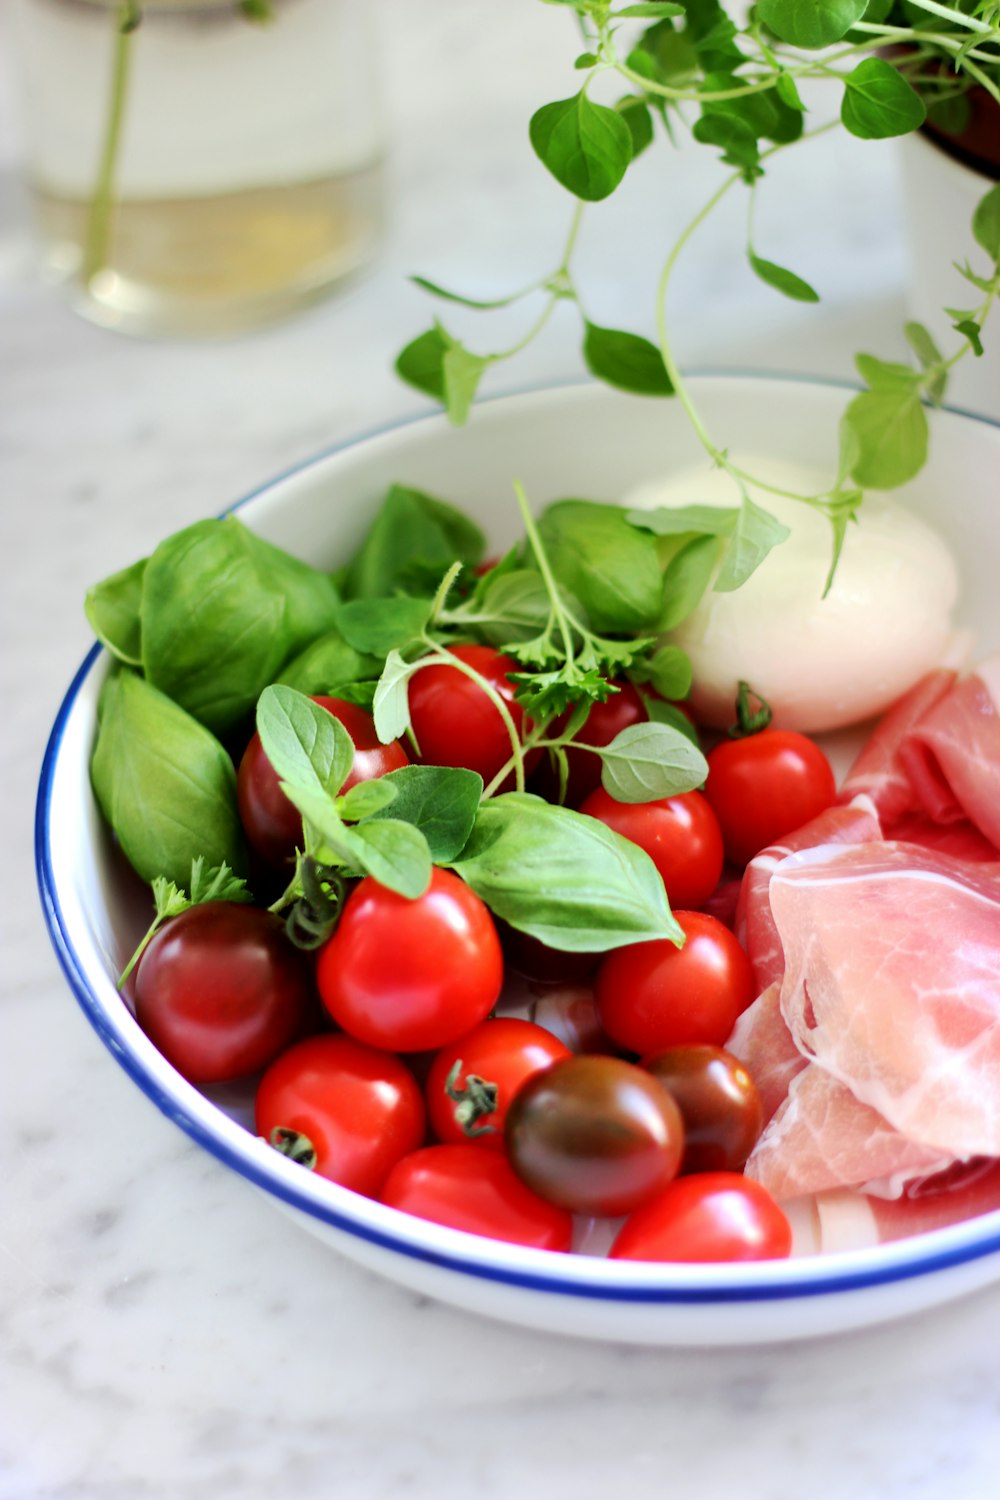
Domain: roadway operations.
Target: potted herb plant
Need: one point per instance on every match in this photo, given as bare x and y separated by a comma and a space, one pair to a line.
740, 85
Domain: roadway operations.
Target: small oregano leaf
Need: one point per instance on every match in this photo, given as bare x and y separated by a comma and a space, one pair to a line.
879, 103
587, 147
986, 223
889, 433
421, 363
648, 761
811, 23
783, 280
625, 360
305, 744
756, 532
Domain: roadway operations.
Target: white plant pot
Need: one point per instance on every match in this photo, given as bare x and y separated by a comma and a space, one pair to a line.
939, 197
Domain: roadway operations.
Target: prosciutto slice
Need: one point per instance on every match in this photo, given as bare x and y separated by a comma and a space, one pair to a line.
892, 984
879, 772
852, 1221
766, 1048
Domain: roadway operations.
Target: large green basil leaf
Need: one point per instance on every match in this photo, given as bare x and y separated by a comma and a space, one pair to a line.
612, 568
222, 611
564, 878
164, 783
113, 610
326, 664
414, 537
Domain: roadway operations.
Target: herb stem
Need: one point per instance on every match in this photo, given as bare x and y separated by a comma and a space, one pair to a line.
95, 253
441, 656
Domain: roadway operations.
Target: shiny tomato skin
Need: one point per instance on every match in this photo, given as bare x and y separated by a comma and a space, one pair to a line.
465, 1187
594, 1135
361, 1108
719, 1102
506, 1051
713, 1216
221, 991
680, 834
654, 995
453, 720
410, 976
765, 786
604, 722
272, 824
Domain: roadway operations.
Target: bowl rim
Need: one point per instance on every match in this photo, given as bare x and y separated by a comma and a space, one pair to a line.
568, 1275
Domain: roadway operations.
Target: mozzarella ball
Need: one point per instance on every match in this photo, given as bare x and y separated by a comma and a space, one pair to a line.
820, 663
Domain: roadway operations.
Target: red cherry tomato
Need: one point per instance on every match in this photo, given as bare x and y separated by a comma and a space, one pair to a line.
221, 991
272, 824
655, 995
503, 1053
594, 1135
467, 1188
604, 722
716, 1216
766, 786
718, 1099
410, 976
454, 721
359, 1109
680, 834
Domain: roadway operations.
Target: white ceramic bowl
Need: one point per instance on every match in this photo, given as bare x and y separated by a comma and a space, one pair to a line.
584, 441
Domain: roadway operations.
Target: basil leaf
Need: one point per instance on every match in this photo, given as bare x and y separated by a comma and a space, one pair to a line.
626, 361
412, 533
305, 744
378, 626
889, 427
587, 147
564, 878
222, 611
986, 223
327, 663
393, 853
811, 23
669, 671
391, 704
441, 801
757, 531
675, 520
645, 762
783, 280
463, 371
421, 363
366, 799
164, 783
609, 566
113, 607
512, 607
879, 103
687, 576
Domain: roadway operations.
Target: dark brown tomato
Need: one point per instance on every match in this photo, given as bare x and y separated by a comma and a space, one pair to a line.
594, 1135
719, 1103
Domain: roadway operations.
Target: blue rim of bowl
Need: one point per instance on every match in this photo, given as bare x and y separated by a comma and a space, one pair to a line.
805, 1284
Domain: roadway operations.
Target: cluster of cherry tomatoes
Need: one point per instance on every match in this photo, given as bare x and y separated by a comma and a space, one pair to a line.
386, 1037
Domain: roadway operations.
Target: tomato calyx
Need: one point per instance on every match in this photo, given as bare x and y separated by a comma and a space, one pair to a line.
749, 720
293, 1144
477, 1098
316, 895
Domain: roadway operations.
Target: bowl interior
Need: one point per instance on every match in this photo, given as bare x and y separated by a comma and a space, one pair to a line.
576, 441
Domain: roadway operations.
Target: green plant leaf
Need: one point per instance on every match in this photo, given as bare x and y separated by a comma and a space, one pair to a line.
391, 706
442, 801
484, 305
421, 363
636, 114
685, 579
648, 761
463, 371
413, 536
587, 147
986, 223
889, 429
669, 672
610, 567
395, 854
328, 663
366, 799
922, 343
756, 532
564, 878
811, 24
783, 280
625, 360
305, 744
787, 91
970, 329
881, 373
656, 9
676, 520
113, 610
378, 626
879, 103
733, 135
164, 783
666, 713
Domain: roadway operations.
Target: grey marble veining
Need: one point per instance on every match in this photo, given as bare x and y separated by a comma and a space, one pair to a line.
163, 1334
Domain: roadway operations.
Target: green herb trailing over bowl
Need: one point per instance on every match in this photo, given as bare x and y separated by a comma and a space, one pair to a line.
736, 86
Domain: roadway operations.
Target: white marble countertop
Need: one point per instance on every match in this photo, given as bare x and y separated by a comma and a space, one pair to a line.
163, 1334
